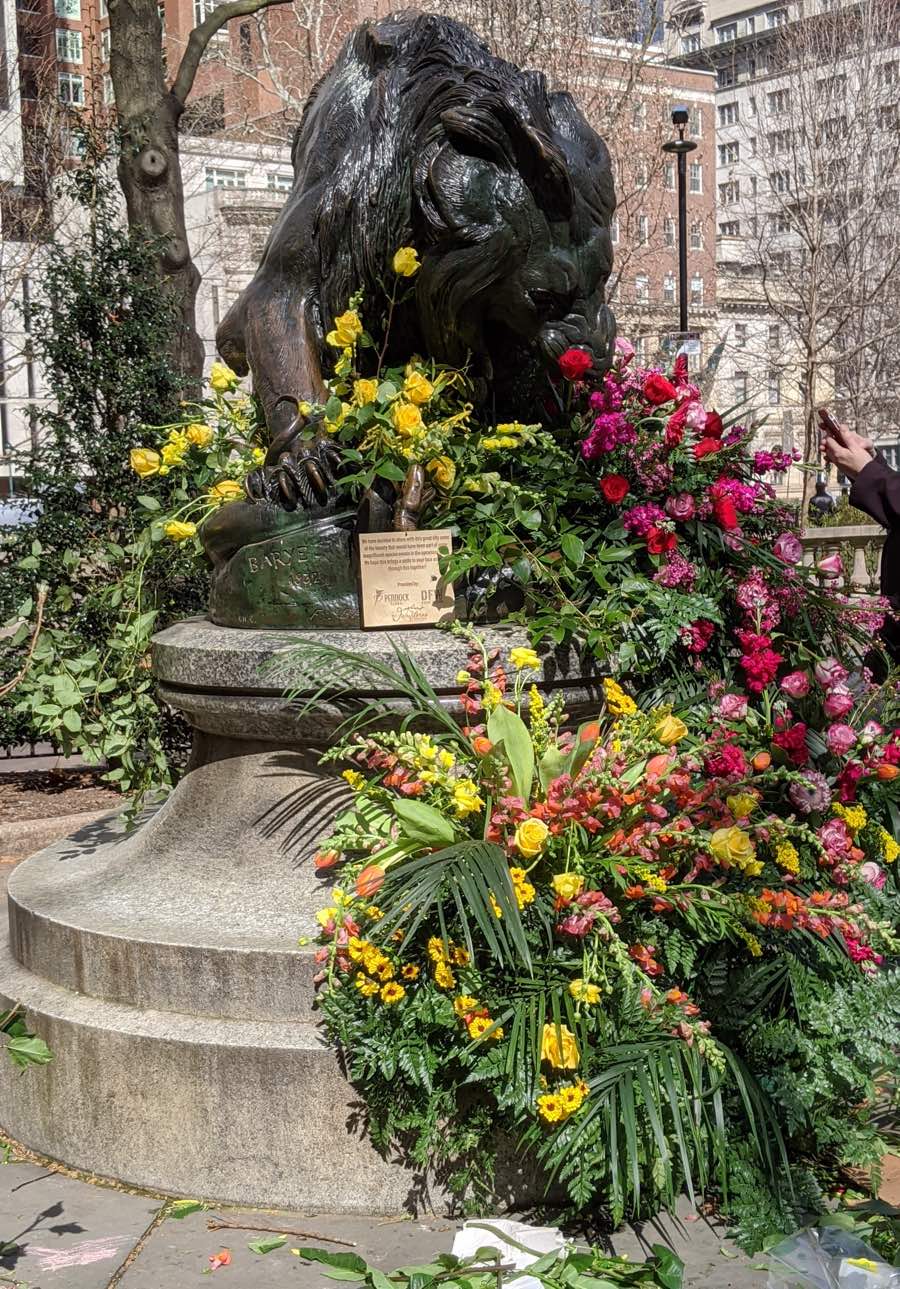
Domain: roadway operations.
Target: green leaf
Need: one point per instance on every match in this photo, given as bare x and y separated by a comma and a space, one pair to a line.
551, 765
379, 1280
28, 1049
268, 1244
423, 824
71, 720
573, 549
668, 1266
149, 503
387, 470
507, 730
181, 1208
386, 391
344, 1261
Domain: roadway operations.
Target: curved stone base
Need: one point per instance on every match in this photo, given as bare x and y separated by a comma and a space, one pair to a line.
163, 967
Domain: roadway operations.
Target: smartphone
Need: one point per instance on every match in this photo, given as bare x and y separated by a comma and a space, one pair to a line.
830, 425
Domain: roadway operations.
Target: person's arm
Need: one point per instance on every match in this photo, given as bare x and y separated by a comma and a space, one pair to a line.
876, 490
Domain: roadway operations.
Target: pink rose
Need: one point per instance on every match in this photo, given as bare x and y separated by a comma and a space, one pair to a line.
682, 506
733, 707
795, 685
695, 417
873, 873
831, 566
840, 739
838, 701
830, 672
788, 548
624, 350
870, 732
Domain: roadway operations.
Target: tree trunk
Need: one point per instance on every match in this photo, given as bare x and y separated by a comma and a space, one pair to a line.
149, 166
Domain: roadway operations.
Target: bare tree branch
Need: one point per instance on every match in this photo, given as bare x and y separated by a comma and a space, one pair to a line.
203, 34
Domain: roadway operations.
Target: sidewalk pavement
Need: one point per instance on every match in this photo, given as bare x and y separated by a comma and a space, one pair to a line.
59, 1231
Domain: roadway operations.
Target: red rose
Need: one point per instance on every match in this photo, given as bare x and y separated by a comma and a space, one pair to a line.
705, 447
680, 369
614, 488
574, 363
714, 427
658, 390
660, 541
675, 426
725, 513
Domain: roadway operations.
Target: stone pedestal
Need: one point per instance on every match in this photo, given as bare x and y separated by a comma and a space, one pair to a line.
163, 969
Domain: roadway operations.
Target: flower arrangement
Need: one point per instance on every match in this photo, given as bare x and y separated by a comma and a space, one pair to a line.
544, 930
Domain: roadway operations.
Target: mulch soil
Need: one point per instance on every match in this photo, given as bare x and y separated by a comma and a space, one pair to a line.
42, 794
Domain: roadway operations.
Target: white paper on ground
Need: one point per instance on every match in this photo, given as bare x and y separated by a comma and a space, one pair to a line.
538, 1239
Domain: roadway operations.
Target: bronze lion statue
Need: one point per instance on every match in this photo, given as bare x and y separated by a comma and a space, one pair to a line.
419, 136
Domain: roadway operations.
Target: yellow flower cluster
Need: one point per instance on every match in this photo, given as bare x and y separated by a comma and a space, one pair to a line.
787, 857
750, 940
618, 702
584, 992
368, 956
478, 1026
854, 817
651, 879
511, 434
890, 848
537, 719
442, 956
553, 1107
524, 659
524, 890
466, 800
355, 779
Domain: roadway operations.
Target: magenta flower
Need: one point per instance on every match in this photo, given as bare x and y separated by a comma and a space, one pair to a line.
831, 566
873, 873
624, 350
796, 684
788, 548
733, 707
838, 701
682, 506
840, 738
830, 672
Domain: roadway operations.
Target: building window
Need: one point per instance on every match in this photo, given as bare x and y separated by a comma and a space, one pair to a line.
774, 336
669, 232
780, 181
109, 96
779, 140
695, 122
731, 228
642, 288
71, 89
222, 177
779, 101
697, 289
643, 230
696, 237
729, 192
68, 45
641, 350
741, 386
639, 116
670, 176
751, 24
725, 77
695, 177
752, 105
245, 41
104, 44
104, 9
740, 335
67, 8
691, 43
728, 114
614, 230
727, 31
642, 173
278, 181
889, 73
774, 388
776, 18
669, 288
729, 153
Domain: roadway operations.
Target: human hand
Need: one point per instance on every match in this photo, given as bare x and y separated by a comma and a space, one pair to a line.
849, 451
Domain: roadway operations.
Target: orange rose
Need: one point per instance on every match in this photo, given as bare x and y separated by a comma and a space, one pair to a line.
888, 771
369, 881
326, 859
482, 745
762, 761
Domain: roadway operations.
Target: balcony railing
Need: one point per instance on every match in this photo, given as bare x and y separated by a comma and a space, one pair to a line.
859, 547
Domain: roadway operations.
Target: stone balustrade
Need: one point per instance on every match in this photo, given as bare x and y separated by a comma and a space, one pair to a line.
859, 546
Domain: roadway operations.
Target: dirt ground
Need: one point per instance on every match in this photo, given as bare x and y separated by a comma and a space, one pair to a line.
42, 794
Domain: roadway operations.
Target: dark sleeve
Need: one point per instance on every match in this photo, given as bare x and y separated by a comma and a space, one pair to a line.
876, 490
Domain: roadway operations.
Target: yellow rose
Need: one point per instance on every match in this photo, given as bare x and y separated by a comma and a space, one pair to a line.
173, 453
524, 659
733, 846
531, 837
584, 992
227, 490
144, 461
443, 471
568, 885
407, 418
198, 434
364, 391
417, 388
347, 328
178, 531
670, 730
406, 261
559, 1047
741, 804
222, 378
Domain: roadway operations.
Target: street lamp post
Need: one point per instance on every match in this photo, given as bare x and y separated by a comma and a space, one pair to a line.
681, 147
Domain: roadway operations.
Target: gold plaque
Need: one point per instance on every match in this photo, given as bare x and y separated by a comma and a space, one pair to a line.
400, 578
